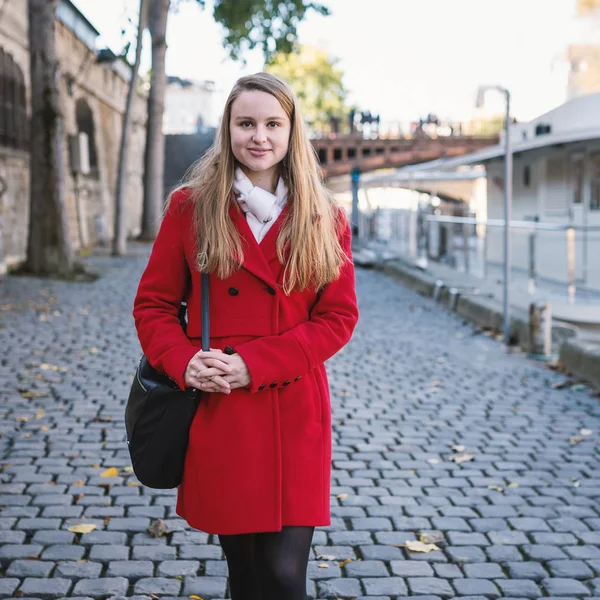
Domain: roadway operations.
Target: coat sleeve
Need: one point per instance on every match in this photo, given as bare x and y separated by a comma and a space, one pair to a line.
161, 289
290, 355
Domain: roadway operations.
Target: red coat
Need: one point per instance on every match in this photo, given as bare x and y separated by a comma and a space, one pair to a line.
258, 458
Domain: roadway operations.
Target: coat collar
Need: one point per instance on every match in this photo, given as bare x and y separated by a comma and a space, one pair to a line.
258, 256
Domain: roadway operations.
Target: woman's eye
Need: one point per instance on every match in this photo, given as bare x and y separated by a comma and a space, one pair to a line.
245, 123
273, 124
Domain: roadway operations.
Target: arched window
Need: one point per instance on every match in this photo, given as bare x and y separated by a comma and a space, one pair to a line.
85, 124
14, 125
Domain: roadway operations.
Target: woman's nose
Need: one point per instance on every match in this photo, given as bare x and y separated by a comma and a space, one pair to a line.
259, 136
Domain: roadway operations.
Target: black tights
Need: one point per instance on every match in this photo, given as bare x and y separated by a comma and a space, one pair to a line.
268, 566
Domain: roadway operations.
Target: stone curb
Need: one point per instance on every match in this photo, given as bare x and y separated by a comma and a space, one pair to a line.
580, 357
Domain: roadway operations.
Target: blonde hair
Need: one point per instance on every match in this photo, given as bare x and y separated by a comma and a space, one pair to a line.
309, 235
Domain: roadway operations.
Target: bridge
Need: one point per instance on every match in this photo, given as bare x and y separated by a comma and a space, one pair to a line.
340, 154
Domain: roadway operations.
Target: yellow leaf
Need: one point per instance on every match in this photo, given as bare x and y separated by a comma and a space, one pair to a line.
342, 496
79, 482
497, 488
420, 546
195, 597
133, 484
22, 419
323, 566
44, 428
513, 485
93, 351
82, 528
112, 472
127, 469
40, 413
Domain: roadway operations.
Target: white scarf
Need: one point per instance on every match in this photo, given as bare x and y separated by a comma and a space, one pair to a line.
260, 207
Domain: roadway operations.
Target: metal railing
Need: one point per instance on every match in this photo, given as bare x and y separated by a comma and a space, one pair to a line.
541, 251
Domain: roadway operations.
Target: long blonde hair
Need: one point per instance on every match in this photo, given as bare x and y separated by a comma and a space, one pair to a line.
309, 235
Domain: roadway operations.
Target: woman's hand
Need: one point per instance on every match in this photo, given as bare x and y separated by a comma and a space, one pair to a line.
235, 373
208, 374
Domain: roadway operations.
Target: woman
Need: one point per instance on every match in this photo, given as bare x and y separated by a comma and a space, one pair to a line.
255, 215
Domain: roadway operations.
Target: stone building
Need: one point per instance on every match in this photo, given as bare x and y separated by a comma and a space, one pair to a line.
93, 91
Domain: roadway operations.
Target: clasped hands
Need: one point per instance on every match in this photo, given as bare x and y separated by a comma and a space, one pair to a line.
215, 371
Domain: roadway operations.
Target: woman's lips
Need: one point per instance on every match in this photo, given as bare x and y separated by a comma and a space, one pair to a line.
257, 152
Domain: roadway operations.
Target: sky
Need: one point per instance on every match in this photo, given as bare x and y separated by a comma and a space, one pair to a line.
402, 59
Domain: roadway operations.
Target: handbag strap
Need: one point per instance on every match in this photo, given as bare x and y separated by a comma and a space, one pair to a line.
205, 313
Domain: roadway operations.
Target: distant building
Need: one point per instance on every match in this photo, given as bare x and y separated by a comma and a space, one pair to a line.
583, 54
189, 106
556, 181
93, 92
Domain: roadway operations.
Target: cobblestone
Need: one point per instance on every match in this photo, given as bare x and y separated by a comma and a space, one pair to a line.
430, 384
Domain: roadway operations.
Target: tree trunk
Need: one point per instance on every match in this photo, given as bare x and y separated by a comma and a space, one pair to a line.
154, 159
49, 247
120, 237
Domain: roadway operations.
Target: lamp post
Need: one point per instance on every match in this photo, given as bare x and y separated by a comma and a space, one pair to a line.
508, 188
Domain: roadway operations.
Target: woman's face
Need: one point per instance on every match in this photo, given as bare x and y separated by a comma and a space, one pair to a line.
260, 135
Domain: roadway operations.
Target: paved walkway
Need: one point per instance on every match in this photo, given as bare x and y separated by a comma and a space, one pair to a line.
521, 519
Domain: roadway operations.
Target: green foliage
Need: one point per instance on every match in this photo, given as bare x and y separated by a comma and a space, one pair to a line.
317, 82
268, 24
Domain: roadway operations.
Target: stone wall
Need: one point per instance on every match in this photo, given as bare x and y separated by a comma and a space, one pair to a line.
100, 90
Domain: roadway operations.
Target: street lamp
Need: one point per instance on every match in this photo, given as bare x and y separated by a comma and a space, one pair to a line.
508, 182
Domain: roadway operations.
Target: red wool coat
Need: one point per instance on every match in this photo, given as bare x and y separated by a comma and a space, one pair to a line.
258, 458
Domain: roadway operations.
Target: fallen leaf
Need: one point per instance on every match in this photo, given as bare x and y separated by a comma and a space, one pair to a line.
457, 448
195, 597
49, 367
460, 458
22, 419
82, 528
345, 562
585, 432
325, 557
44, 428
40, 414
26, 435
342, 496
93, 350
34, 394
576, 440
513, 485
433, 461
559, 385
323, 566
431, 538
436, 383
133, 484
158, 528
496, 488
127, 469
78, 483
420, 546
111, 472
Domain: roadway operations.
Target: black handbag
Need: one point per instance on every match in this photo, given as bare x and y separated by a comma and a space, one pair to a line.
158, 417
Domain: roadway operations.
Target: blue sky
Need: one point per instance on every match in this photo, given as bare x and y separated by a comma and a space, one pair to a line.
401, 58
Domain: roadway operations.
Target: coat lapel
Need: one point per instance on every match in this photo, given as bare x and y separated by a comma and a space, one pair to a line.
255, 260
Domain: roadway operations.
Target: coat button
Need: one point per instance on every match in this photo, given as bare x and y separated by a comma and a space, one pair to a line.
298, 378
273, 385
229, 350
287, 382
233, 291
261, 386
271, 291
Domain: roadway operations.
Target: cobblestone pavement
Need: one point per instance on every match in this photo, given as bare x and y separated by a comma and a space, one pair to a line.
519, 520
